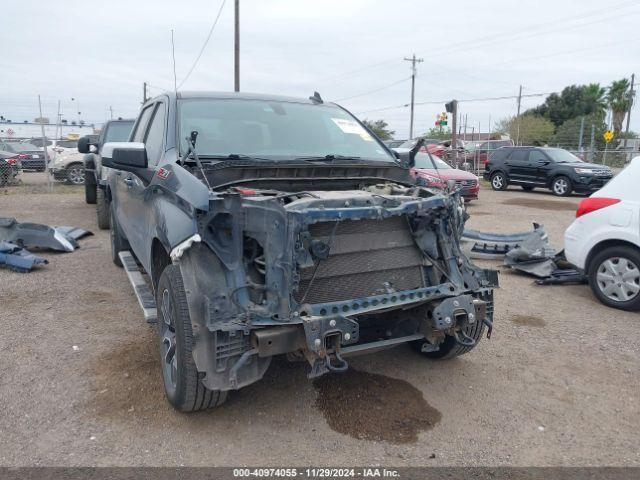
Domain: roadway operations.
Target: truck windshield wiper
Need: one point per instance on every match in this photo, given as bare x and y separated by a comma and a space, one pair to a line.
327, 158
234, 156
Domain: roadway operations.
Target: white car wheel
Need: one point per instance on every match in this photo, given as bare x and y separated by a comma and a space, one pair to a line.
618, 279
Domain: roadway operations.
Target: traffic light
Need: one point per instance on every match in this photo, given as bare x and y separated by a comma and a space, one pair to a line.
450, 106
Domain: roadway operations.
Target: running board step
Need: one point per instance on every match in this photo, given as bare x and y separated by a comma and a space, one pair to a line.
140, 287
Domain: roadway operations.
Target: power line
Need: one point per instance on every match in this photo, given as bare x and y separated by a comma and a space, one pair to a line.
373, 91
215, 22
509, 34
538, 57
440, 102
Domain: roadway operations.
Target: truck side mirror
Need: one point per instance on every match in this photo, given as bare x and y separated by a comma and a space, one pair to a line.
126, 156
84, 144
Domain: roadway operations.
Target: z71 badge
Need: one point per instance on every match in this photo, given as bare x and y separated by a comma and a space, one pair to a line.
163, 173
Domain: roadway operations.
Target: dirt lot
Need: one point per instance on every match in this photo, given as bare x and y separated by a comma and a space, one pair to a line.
557, 384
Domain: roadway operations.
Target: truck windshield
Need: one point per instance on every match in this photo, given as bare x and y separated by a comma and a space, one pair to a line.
279, 130
118, 131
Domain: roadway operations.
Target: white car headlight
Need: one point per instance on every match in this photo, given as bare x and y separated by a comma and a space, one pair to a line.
583, 171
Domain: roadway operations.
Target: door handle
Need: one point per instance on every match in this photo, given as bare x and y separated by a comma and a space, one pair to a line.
128, 181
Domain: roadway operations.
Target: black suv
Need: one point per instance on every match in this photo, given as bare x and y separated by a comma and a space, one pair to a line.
553, 168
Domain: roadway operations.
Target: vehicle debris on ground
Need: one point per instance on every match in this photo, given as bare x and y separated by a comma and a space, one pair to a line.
37, 235
17, 258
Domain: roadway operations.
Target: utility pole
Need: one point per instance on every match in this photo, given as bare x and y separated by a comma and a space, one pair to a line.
111, 112
592, 143
413, 61
518, 116
144, 92
581, 134
452, 108
631, 94
237, 47
44, 144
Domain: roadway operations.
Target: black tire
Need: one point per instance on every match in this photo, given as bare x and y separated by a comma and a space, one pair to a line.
75, 174
561, 186
499, 181
103, 213
118, 242
90, 192
182, 381
449, 348
528, 188
597, 265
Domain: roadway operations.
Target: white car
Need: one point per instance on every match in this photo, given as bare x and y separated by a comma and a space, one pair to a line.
604, 240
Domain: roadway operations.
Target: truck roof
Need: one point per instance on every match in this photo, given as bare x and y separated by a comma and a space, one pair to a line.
237, 95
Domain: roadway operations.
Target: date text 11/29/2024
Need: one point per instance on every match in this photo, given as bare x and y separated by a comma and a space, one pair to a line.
316, 472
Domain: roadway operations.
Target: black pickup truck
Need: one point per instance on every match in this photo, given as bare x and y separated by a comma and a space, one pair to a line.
91, 145
282, 226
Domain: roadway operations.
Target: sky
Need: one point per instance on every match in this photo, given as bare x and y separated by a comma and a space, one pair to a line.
351, 51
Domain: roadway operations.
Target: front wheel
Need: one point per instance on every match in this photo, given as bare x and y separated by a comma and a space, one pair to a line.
614, 277
90, 192
118, 242
182, 382
102, 209
75, 174
499, 181
561, 186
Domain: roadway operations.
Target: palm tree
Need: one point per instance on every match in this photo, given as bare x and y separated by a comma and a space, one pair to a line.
595, 99
619, 101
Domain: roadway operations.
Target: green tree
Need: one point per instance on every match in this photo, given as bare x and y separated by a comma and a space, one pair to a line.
439, 133
574, 101
619, 101
379, 127
568, 134
534, 130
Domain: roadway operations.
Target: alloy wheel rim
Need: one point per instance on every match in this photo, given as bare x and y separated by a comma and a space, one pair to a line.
76, 176
497, 181
560, 186
168, 335
618, 279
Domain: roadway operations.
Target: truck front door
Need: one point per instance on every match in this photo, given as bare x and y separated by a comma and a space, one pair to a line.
138, 194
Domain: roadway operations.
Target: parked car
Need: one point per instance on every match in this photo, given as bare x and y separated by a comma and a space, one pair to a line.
66, 163
10, 167
434, 172
394, 143
554, 168
604, 240
430, 145
274, 225
479, 152
94, 180
32, 157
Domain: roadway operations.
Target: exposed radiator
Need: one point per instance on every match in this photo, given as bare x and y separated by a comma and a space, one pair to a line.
366, 258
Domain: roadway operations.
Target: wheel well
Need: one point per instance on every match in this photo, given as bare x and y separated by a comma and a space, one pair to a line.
598, 247
159, 260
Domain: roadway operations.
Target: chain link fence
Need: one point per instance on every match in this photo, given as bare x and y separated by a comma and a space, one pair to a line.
29, 166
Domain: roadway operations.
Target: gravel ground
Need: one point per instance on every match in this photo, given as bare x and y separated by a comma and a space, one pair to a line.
557, 384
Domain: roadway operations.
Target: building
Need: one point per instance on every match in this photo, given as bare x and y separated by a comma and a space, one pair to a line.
32, 130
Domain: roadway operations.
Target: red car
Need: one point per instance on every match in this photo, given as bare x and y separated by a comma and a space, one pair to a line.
434, 172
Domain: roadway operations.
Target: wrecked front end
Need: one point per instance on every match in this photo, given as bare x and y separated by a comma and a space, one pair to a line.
321, 275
